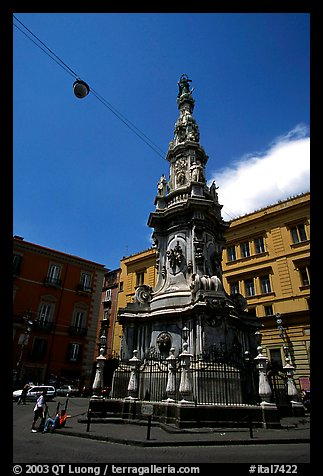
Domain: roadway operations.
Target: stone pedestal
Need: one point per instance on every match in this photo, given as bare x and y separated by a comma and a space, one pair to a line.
133, 387
171, 380
264, 387
185, 386
98, 379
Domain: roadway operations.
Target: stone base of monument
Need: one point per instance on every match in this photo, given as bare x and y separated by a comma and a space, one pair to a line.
187, 414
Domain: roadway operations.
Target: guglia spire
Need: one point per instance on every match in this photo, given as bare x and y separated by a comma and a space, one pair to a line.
187, 314
186, 156
186, 128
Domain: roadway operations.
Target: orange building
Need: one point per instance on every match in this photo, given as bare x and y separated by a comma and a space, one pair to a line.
56, 302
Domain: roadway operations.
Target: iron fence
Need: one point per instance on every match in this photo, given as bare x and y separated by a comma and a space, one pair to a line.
278, 385
214, 379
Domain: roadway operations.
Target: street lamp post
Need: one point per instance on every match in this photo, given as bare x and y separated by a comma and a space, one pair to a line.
25, 338
289, 368
283, 335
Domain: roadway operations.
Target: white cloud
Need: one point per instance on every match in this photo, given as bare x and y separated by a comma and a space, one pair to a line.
258, 180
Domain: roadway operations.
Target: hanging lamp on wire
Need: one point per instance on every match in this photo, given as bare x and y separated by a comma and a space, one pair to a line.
81, 88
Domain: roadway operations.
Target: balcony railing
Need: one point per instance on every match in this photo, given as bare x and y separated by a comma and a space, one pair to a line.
82, 288
46, 326
50, 281
36, 356
77, 331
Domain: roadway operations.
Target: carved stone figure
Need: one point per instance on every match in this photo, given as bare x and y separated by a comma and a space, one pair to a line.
180, 168
213, 190
162, 186
186, 127
183, 85
164, 342
197, 174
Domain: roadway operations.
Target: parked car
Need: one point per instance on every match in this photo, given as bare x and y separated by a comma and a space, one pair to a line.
34, 392
67, 391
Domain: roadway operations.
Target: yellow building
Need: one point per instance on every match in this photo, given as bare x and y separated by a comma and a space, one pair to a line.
266, 259
136, 270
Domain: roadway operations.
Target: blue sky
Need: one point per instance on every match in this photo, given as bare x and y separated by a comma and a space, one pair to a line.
85, 184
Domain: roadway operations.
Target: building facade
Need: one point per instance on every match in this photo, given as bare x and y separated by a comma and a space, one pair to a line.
108, 309
56, 301
266, 259
136, 270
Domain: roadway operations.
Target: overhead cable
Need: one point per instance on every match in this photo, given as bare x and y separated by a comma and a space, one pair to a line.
108, 105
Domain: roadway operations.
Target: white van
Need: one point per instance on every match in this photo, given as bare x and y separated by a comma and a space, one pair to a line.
34, 392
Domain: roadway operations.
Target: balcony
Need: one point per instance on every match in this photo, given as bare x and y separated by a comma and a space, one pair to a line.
83, 289
77, 331
36, 356
45, 326
54, 282
106, 304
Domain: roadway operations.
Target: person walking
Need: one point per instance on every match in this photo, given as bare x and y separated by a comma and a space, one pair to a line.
23, 395
39, 410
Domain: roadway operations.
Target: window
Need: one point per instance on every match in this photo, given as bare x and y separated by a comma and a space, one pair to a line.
106, 317
78, 326
78, 319
53, 276
108, 294
39, 347
234, 288
16, 264
304, 272
121, 286
268, 310
85, 282
231, 252
140, 277
252, 311
265, 284
74, 352
249, 287
298, 233
245, 249
259, 245
275, 357
45, 314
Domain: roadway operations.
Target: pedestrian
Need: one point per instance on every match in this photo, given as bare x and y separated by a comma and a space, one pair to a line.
39, 410
57, 422
23, 395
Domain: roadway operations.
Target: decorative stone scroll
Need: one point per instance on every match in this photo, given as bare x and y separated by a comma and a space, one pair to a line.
143, 294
